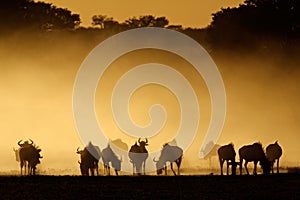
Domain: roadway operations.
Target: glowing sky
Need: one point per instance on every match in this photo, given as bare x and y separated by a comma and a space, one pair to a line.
189, 13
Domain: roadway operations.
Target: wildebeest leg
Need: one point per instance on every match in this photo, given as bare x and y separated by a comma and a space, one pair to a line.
28, 168
116, 172
32, 170
227, 162
21, 166
144, 165
97, 169
277, 165
105, 169
134, 169
233, 167
272, 167
165, 169
178, 162
108, 168
93, 171
255, 166
241, 166
171, 165
246, 163
221, 165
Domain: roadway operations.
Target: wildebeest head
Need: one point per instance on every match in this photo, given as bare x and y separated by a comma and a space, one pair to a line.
143, 143
25, 143
159, 167
84, 169
265, 165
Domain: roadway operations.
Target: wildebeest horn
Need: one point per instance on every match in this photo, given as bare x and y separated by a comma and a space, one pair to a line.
19, 143
155, 160
79, 162
78, 150
139, 141
31, 142
146, 140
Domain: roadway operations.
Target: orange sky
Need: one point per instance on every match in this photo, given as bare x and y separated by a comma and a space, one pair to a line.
189, 13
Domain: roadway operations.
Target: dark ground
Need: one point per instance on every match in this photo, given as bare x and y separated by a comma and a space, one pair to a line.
282, 186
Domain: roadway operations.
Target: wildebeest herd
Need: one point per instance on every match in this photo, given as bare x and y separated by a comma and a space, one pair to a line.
28, 154
250, 153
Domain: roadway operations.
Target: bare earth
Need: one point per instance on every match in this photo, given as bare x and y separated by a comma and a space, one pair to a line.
282, 186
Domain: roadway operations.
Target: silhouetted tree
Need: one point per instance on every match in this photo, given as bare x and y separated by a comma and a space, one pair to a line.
256, 22
147, 21
99, 20
20, 14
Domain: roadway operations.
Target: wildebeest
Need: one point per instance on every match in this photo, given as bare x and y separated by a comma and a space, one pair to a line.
109, 157
89, 158
210, 151
273, 153
138, 155
254, 153
17, 154
169, 154
29, 154
227, 153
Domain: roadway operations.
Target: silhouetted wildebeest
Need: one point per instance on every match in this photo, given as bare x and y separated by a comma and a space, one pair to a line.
210, 151
169, 154
227, 153
120, 144
138, 155
17, 154
254, 153
273, 153
89, 158
29, 154
109, 157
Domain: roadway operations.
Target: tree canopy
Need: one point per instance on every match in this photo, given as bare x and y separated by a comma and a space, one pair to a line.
251, 24
20, 14
257, 21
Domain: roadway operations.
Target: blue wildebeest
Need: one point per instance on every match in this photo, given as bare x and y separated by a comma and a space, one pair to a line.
273, 153
109, 157
227, 153
138, 155
89, 158
254, 153
209, 151
171, 154
29, 154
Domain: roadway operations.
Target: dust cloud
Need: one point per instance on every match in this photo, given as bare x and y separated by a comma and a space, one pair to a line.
36, 84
